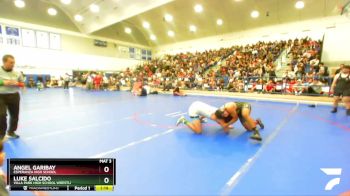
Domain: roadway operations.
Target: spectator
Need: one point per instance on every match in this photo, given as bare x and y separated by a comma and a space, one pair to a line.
89, 81
40, 84
339, 69
167, 84
66, 79
299, 87
299, 74
288, 74
31, 82
257, 86
97, 81
177, 92
105, 82
315, 88
270, 87
323, 74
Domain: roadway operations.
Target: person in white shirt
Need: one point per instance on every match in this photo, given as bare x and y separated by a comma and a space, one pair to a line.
10, 84
89, 82
105, 82
66, 79
288, 74
315, 62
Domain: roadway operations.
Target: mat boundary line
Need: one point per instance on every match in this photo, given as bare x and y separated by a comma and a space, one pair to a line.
134, 143
233, 181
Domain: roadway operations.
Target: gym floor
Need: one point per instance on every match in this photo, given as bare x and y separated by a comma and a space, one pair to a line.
156, 158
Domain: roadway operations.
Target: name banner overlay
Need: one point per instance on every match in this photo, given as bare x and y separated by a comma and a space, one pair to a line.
61, 174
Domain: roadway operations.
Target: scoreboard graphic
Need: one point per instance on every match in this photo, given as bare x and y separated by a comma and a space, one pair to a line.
61, 174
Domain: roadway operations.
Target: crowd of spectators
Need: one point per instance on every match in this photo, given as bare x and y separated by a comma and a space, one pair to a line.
47, 81
249, 68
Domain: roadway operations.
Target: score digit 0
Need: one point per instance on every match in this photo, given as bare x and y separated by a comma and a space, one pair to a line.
106, 169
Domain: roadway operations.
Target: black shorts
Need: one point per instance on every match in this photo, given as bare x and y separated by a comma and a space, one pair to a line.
340, 93
143, 92
240, 116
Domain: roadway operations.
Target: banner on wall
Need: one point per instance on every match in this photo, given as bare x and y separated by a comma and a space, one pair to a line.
12, 36
132, 52
149, 55
12, 31
123, 50
55, 41
42, 39
28, 38
144, 54
137, 53
140, 54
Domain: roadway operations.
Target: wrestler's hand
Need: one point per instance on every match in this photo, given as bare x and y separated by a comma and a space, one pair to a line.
227, 128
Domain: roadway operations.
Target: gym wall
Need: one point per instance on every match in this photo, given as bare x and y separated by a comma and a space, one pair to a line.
77, 53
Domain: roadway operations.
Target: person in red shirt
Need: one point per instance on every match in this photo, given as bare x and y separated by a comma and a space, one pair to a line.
270, 87
97, 81
137, 87
291, 86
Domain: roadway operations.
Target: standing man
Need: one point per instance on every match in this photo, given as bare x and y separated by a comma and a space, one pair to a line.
341, 89
66, 81
97, 81
10, 83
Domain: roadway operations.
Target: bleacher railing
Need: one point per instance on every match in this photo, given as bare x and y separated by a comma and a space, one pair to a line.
319, 86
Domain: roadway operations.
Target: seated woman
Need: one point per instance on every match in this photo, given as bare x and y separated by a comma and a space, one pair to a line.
270, 87
299, 87
257, 86
315, 88
136, 88
177, 92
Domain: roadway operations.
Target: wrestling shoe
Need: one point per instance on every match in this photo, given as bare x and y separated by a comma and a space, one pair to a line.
335, 110
256, 136
260, 123
181, 120
12, 134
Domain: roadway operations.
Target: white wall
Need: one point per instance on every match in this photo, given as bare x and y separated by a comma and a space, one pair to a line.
77, 53
66, 32
41, 61
336, 46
